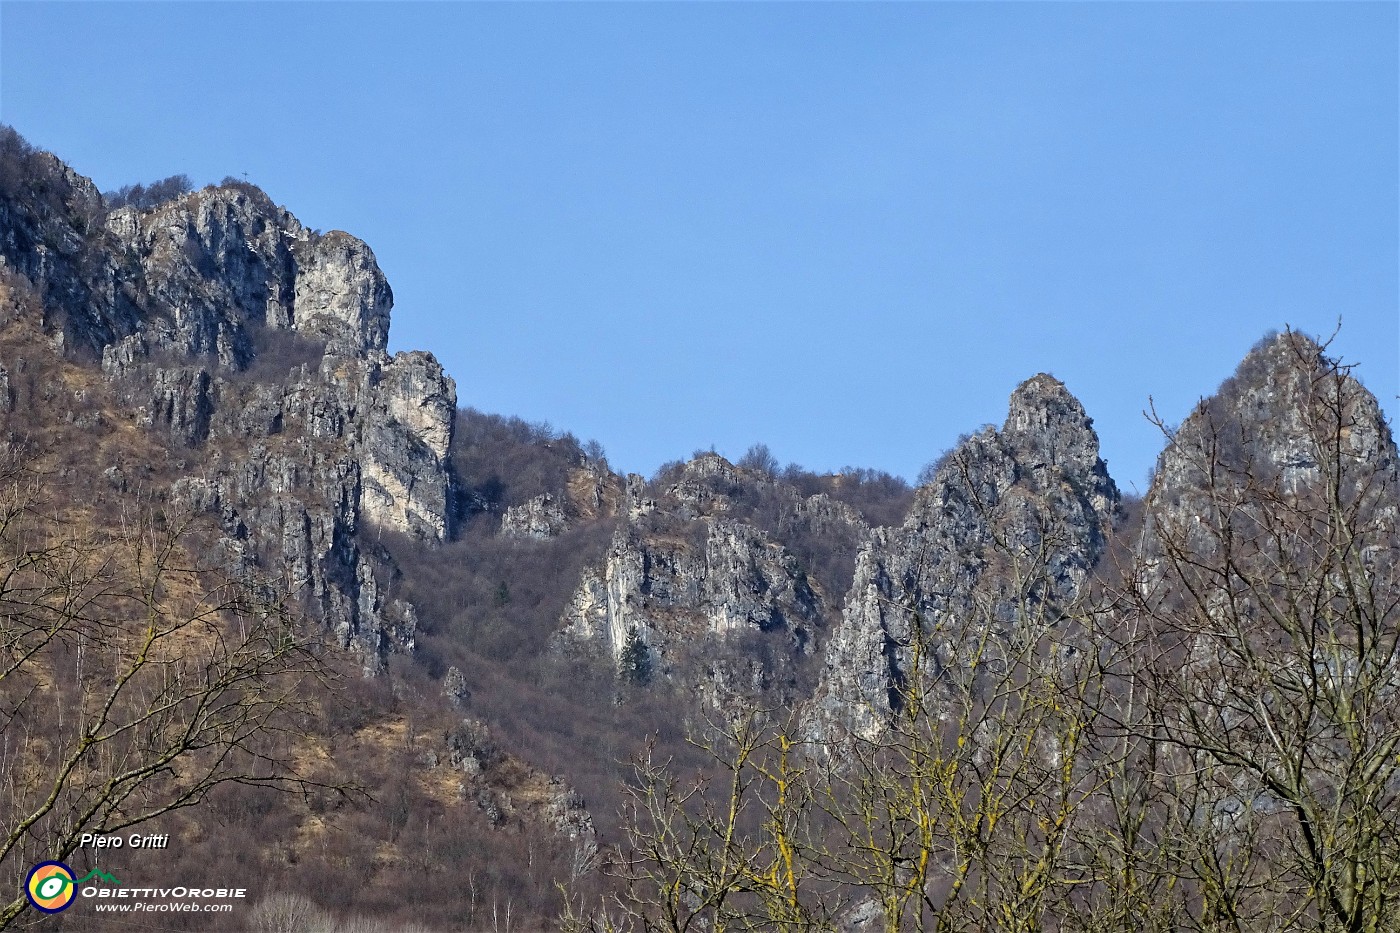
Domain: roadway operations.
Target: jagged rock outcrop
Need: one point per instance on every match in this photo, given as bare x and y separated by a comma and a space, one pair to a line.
1286, 418
454, 688
471, 748
213, 266
1262, 602
51, 233
1289, 426
567, 813
224, 273
181, 403
678, 586
689, 572
590, 492
405, 440
474, 751
541, 516
259, 345
1011, 518
340, 294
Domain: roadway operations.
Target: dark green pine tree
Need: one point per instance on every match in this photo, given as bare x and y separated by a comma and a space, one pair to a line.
635, 661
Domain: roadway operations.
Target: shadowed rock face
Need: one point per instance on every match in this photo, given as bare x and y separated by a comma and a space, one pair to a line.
241, 334
1012, 517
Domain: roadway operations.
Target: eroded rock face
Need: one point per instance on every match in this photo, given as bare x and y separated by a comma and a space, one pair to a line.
181, 403
235, 331
1287, 426
405, 442
221, 262
211, 265
341, 296
1012, 517
691, 578
223, 271
301, 468
285, 474
728, 578
541, 516
1279, 415
51, 233
567, 812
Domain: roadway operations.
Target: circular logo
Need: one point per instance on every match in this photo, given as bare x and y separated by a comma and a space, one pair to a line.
50, 887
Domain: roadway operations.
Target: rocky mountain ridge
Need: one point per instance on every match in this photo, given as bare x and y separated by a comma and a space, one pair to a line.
251, 352
232, 329
1290, 425
688, 571
1011, 526
235, 331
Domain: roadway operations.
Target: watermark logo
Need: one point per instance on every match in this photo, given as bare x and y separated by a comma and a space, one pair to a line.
97, 875
50, 887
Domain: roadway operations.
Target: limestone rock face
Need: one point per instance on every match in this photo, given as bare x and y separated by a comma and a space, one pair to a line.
212, 264
539, 517
405, 441
258, 344
1011, 516
223, 261
590, 492
1285, 424
181, 403
1272, 415
691, 574
51, 233
341, 296
567, 812
299, 468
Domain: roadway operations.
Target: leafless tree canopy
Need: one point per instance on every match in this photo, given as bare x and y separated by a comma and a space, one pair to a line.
1206, 740
135, 679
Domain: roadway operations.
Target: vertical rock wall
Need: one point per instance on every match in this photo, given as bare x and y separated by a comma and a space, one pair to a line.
1011, 517
260, 346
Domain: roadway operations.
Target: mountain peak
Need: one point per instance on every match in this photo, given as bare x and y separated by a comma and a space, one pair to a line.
1273, 418
1042, 406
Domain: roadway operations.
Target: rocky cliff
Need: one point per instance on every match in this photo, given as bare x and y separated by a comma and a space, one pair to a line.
259, 346
1008, 529
213, 355
1291, 433
715, 597
1288, 419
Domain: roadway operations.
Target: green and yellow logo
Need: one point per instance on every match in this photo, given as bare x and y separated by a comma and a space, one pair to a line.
50, 887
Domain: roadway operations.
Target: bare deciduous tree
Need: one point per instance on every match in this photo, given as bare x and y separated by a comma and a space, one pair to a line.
1269, 612
133, 681
1210, 742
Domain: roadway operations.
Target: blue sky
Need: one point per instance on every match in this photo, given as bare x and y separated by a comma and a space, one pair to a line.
846, 230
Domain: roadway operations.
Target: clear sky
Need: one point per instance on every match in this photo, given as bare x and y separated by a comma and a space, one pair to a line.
846, 230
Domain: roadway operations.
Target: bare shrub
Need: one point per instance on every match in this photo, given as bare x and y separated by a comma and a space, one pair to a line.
288, 913
145, 197
759, 459
277, 352
165, 681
